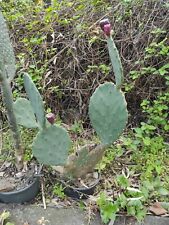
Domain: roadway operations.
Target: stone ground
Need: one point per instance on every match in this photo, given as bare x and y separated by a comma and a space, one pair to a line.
36, 215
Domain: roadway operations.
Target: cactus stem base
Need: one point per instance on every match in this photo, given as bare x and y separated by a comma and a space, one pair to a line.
8, 101
83, 161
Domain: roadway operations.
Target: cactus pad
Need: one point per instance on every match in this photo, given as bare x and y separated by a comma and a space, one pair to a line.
108, 112
36, 100
6, 50
51, 146
24, 113
116, 62
83, 161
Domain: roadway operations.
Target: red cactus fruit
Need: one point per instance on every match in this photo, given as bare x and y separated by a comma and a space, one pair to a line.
105, 26
51, 118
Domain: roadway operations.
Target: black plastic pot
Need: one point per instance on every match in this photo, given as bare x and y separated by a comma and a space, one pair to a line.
24, 195
80, 193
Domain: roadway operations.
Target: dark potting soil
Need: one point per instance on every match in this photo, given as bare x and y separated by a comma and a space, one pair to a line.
12, 180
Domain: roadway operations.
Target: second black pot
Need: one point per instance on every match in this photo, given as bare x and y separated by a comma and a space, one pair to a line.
80, 193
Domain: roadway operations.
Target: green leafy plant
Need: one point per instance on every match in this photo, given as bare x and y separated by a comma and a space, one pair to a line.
157, 113
156, 51
58, 190
149, 141
129, 199
4, 217
154, 187
108, 209
77, 127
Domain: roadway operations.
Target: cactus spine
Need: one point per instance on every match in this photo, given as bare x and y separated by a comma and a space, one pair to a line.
7, 72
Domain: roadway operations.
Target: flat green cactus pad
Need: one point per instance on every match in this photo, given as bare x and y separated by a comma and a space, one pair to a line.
116, 62
36, 100
6, 50
108, 112
51, 146
24, 113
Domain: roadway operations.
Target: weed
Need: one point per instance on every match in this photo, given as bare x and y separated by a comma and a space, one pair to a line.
77, 127
129, 199
58, 190
7, 146
4, 218
111, 154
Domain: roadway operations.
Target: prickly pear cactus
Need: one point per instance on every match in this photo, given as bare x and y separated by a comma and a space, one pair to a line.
108, 112
6, 50
51, 146
36, 100
108, 108
24, 113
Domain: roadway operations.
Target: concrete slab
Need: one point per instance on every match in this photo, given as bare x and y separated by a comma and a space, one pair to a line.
36, 215
32, 215
149, 220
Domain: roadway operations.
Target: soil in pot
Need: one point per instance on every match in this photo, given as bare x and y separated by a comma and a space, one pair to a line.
18, 187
